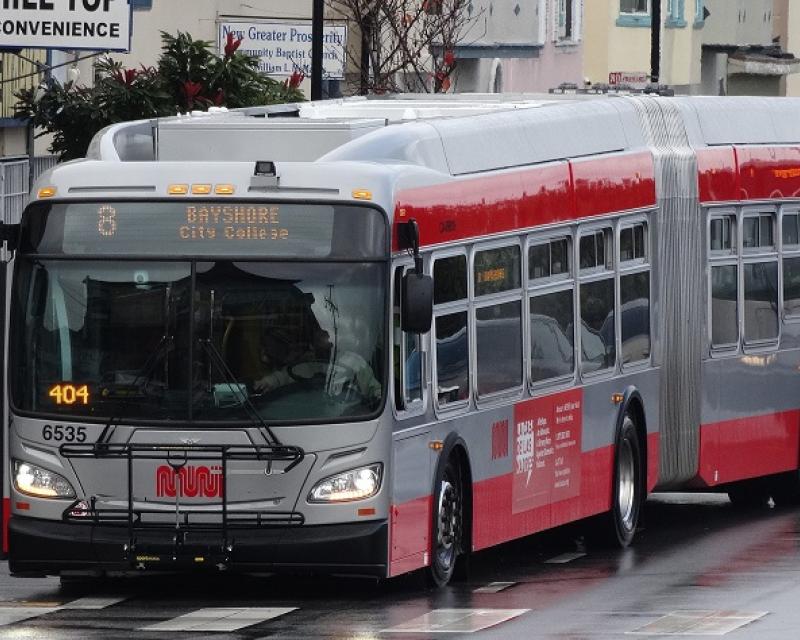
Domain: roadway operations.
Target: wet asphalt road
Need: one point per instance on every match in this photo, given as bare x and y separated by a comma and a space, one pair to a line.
699, 568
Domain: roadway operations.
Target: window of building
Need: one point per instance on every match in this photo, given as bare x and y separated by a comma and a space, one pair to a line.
675, 14
568, 21
497, 278
142, 5
634, 13
699, 13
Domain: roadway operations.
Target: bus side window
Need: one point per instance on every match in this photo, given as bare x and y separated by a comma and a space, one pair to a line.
407, 356
451, 329
634, 289
760, 278
791, 265
551, 309
598, 333
724, 285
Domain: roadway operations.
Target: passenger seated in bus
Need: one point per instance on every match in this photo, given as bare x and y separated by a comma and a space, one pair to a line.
338, 369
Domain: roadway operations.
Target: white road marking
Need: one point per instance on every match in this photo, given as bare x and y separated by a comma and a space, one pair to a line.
698, 623
494, 587
10, 615
456, 621
92, 603
565, 557
219, 619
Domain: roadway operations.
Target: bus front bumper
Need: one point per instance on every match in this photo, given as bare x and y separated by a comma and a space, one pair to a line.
46, 547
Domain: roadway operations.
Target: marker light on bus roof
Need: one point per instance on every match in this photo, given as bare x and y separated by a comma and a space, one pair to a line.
362, 194
47, 192
178, 189
225, 190
201, 189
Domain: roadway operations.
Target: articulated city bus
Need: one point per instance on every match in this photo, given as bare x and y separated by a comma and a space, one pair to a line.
376, 336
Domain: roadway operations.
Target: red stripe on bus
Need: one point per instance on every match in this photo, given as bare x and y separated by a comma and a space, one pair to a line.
558, 192
768, 172
717, 176
749, 447
409, 535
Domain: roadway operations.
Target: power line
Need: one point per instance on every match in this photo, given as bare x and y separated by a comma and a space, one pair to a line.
44, 68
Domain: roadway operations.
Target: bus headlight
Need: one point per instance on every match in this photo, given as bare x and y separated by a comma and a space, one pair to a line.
41, 483
356, 484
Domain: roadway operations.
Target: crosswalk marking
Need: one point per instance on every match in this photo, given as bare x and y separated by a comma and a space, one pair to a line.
219, 619
698, 623
92, 603
10, 615
456, 621
494, 587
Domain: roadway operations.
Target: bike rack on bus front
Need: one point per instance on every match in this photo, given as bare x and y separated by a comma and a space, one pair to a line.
177, 456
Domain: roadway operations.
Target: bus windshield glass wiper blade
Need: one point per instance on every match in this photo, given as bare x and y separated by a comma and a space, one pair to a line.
236, 387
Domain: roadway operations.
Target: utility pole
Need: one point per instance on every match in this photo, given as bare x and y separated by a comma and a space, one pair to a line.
655, 41
317, 24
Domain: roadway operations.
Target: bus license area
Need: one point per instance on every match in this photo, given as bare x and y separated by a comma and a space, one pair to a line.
232, 223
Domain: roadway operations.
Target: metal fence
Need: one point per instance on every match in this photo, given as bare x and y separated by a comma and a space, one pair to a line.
15, 183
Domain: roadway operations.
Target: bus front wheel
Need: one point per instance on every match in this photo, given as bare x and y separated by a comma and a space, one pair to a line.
448, 524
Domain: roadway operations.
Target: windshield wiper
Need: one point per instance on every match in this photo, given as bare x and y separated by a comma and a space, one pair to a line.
237, 388
143, 377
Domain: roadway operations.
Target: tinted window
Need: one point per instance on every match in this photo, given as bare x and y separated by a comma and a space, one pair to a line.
452, 358
760, 301
724, 309
499, 346
791, 286
597, 324
721, 234
449, 279
631, 243
757, 231
791, 230
497, 270
635, 316
552, 350
594, 250
548, 259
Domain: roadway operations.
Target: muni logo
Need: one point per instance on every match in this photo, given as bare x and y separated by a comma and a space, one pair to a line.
189, 481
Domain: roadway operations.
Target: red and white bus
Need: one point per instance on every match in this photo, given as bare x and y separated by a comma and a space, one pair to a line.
375, 336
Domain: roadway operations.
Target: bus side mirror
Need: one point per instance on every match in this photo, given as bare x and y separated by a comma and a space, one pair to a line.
416, 303
416, 290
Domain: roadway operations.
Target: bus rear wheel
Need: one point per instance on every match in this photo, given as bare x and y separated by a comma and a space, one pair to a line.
448, 524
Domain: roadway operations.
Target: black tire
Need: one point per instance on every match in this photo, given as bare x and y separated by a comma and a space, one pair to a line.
785, 489
618, 527
447, 532
749, 494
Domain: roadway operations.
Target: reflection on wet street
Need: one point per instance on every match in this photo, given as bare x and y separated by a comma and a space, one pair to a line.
699, 568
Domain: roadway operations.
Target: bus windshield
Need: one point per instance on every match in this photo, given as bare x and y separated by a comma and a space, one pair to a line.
199, 340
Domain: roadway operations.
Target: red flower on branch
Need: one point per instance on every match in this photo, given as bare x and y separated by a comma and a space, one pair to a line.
294, 81
231, 45
192, 92
449, 57
125, 76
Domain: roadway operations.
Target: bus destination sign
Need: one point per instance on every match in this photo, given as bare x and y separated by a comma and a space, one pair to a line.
198, 228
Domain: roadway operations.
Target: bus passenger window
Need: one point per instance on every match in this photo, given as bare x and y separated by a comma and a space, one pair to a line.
497, 270
791, 286
452, 358
724, 309
791, 229
552, 350
598, 350
721, 233
760, 301
594, 250
757, 231
635, 316
449, 279
498, 339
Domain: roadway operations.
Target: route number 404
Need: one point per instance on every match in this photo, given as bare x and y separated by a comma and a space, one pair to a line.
63, 433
